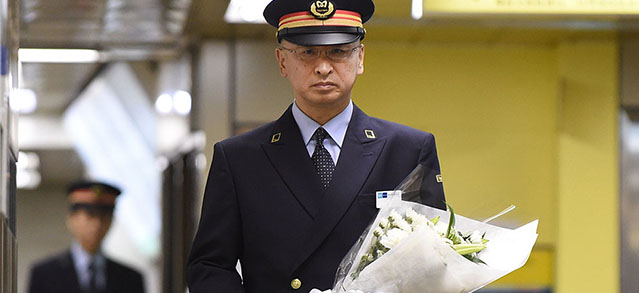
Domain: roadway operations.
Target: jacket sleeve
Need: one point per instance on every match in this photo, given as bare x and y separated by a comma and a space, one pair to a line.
218, 241
35, 281
432, 189
138, 282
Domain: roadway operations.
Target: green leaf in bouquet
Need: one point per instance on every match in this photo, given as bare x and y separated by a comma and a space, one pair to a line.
451, 223
464, 249
435, 220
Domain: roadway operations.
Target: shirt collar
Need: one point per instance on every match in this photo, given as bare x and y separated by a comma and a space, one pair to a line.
335, 127
82, 258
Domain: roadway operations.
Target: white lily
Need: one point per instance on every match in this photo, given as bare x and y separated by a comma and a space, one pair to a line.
393, 237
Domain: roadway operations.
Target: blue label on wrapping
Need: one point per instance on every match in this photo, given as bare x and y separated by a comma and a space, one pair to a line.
382, 197
4, 62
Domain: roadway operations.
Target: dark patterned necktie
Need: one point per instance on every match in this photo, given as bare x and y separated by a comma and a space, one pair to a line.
92, 276
322, 158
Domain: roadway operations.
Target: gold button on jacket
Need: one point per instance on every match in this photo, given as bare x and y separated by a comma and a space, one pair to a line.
296, 284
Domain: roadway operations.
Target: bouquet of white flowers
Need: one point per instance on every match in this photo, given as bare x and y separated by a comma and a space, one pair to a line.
413, 248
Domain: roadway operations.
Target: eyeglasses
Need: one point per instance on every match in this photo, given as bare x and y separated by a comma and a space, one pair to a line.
94, 210
333, 53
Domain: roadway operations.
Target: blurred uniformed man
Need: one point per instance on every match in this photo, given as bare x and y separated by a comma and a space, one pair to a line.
83, 268
289, 199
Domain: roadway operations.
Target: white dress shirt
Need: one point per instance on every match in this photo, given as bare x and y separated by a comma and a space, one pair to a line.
335, 127
81, 260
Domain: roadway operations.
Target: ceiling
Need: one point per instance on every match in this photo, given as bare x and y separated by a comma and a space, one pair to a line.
102, 23
392, 21
154, 29
125, 30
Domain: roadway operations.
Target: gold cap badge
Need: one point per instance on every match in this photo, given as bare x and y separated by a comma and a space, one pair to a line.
322, 9
97, 190
439, 179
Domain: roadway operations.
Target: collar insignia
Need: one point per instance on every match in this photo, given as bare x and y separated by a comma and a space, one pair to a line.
322, 9
369, 133
276, 137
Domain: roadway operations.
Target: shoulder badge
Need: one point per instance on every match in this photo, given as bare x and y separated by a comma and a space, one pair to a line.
322, 9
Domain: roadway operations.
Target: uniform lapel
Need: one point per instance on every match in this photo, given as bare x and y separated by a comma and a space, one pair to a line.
357, 158
114, 280
68, 272
287, 152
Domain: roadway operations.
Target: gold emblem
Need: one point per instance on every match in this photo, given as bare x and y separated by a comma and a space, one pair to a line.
97, 190
322, 9
296, 284
369, 133
276, 137
439, 178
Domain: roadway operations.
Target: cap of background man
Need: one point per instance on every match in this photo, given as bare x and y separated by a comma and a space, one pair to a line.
95, 186
319, 23
93, 196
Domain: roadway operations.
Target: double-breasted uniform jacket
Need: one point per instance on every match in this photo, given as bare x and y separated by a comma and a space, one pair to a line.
57, 274
264, 204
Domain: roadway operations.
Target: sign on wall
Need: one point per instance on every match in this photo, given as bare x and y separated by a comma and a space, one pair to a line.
551, 7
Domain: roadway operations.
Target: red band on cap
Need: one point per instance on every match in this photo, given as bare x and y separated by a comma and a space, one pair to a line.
305, 19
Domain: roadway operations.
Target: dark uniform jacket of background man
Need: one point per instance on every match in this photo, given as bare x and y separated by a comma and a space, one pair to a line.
83, 268
57, 274
265, 203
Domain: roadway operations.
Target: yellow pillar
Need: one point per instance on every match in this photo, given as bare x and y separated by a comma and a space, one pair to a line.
588, 213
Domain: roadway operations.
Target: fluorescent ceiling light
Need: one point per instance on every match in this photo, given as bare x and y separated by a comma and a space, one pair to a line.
23, 101
28, 160
58, 55
164, 104
28, 179
27, 174
179, 102
182, 102
417, 9
246, 11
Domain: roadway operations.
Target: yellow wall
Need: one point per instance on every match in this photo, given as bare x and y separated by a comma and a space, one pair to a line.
530, 125
493, 110
588, 221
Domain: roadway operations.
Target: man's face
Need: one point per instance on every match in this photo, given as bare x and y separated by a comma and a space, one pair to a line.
90, 217
320, 82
